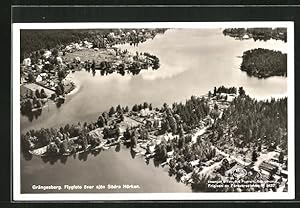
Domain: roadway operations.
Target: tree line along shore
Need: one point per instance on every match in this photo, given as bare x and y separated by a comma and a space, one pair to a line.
35, 40
262, 34
46, 64
205, 138
260, 62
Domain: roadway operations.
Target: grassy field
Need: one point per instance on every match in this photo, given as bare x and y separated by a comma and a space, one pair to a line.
90, 54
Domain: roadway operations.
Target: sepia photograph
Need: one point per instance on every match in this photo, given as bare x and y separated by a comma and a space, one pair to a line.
153, 111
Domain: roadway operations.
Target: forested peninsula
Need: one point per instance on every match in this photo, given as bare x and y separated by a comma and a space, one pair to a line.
203, 139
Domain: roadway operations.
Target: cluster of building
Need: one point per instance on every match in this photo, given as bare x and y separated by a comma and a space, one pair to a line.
133, 36
45, 72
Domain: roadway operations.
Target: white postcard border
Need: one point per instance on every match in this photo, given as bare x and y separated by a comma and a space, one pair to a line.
16, 183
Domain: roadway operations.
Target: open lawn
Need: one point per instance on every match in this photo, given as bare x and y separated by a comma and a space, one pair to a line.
91, 54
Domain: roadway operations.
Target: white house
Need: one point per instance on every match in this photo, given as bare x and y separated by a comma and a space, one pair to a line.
47, 54
145, 112
246, 36
112, 34
44, 75
27, 62
39, 78
68, 48
89, 45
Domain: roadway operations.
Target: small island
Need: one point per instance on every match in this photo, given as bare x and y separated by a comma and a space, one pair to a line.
204, 139
263, 63
260, 62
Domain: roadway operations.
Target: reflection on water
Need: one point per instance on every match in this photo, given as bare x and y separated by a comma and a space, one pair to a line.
89, 155
99, 167
32, 114
64, 158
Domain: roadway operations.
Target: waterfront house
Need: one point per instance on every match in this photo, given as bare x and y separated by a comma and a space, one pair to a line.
246, 36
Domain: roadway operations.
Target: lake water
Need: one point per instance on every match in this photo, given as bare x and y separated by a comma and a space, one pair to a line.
193, 61
116, 166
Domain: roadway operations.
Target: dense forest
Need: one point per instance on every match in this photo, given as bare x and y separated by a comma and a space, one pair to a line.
250, 122
192, 111
257, 33
247, 123
264, 63
33, 40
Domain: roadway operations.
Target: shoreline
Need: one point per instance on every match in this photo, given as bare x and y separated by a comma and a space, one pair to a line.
76, 83
151, 146
130, 117
106, 66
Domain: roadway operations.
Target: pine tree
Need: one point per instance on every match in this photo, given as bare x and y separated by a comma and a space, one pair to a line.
111, 111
